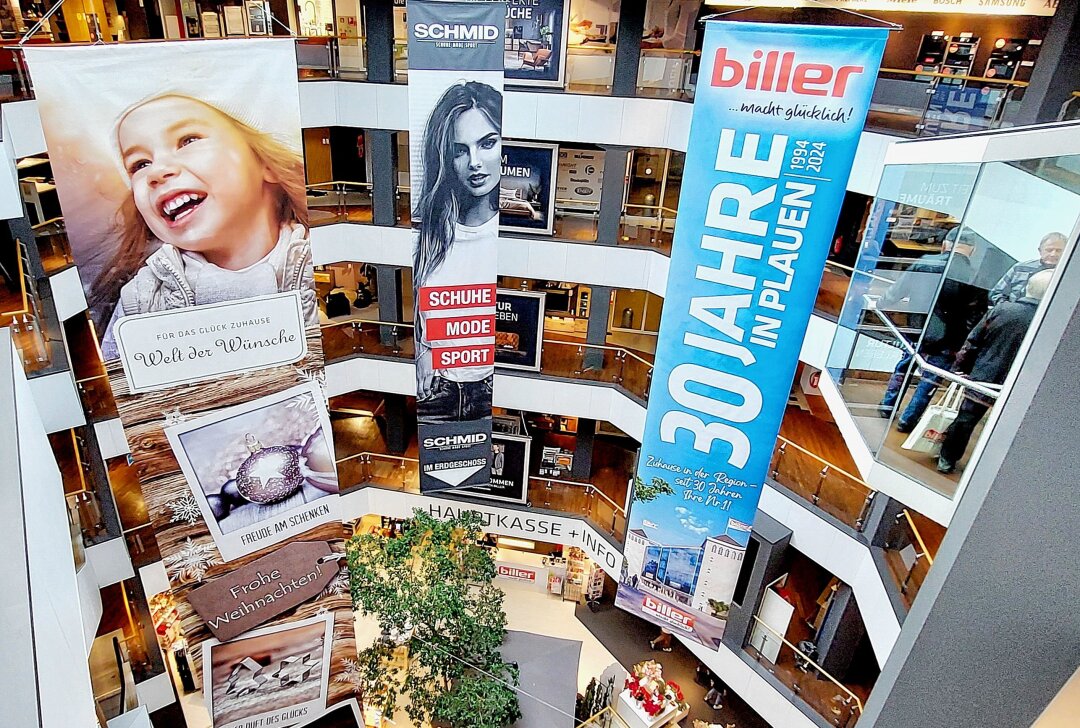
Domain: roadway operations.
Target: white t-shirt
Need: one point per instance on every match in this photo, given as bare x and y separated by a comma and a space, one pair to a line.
472, 258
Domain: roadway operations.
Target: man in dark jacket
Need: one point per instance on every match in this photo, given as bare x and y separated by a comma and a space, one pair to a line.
950, 316
987, 356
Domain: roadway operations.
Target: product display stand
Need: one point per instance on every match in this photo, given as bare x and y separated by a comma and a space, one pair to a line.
635, 717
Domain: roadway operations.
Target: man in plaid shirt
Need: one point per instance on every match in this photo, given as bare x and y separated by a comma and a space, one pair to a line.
1013, 284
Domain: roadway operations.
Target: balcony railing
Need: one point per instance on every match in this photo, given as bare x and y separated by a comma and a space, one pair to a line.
908, 556
566, 359
842, 495
399, 473
806, 678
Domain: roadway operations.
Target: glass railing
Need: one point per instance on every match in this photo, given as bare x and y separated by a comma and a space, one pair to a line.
597, 363
835, 281
97, 398
78, 546
339, 202
590, 67
568, 359
908, 556
1070, 110
359, 337
399, 473
831, 699
647, 225
665, 73
926, 104
842, 495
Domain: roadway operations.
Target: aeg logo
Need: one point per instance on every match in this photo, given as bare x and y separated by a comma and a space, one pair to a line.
668, 613
780, 73
456, 32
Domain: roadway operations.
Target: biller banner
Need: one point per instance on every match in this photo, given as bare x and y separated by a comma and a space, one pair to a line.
776, 121
455, 147
180, 173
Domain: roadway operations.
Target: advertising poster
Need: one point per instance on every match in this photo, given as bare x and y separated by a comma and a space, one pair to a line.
534, 49
455, 148
527, 193
519, 329
776, 121
580, 178
509, 470
269, 677
182, 186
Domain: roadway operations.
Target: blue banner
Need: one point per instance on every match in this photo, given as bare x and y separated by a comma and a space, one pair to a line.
777, 118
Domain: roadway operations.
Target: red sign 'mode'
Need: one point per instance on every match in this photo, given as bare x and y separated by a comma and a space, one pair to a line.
256, 593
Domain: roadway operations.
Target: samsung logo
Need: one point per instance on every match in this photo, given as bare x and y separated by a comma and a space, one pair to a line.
456, 32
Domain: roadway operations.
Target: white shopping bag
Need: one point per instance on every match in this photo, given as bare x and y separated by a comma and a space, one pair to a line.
929, 433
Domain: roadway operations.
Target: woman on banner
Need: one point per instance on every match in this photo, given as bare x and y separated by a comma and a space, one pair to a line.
457, 224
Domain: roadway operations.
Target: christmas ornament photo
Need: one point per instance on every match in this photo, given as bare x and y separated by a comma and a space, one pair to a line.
260, 472
272, 676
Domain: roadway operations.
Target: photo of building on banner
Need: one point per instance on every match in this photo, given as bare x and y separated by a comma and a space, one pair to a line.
455, 147
776, 120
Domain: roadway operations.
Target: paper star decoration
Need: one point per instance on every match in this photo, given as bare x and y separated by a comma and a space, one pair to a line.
295, 669
184, 509
246, 677
192, 561
339, 584
351, 675
174, 416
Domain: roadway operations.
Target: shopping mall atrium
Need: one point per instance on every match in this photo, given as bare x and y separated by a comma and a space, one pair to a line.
539, 363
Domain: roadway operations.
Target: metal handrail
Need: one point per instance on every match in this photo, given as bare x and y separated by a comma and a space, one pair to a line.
957, 77
607, 712
918, 538
823, 461
868, 274
349, 322
661, 208
980, 387
343, 183
404, 459
819, 668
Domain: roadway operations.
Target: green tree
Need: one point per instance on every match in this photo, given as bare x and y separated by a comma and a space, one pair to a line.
657, 487
719, 609
431, 590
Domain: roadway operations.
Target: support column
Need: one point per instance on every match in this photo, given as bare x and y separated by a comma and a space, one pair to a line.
1056, 70
612, 194
380, 145
628, 48
586, 438
379, 30
763, 563
882, 524
596, 333
397, 424
840, 633
988, 641
388, 283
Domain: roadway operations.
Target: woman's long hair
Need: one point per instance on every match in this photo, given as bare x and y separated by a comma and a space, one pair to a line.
438, 206
133, 236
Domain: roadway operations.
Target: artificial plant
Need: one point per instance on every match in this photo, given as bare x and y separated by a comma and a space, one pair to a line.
431, 591
654, 489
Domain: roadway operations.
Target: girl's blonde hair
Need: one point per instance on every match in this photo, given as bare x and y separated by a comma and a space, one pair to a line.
133, 234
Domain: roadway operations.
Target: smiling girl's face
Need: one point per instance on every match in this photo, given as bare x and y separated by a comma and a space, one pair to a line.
477, 149
196, 181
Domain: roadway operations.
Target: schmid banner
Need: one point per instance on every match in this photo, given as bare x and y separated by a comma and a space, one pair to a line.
181, 177
777, 117
455, 148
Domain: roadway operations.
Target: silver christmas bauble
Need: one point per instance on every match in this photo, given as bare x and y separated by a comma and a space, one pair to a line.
270, 474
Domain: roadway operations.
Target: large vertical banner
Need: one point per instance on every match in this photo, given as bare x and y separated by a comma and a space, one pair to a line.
455, 148
777, 118
181, 178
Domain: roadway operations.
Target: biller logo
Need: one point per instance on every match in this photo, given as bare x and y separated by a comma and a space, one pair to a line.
456, 32
512, 572
779, 72
668, 613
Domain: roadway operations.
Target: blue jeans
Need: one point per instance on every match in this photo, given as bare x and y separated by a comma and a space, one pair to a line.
924, 391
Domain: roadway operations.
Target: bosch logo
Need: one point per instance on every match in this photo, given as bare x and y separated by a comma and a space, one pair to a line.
778, 72
455, 440
456, 32
666, 612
